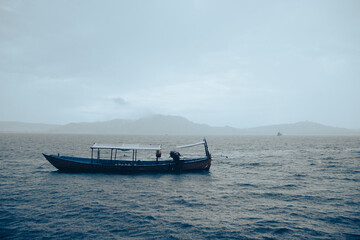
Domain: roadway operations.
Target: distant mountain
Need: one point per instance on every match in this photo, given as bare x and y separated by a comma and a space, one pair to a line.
20, 127
171, 125
152, 125
300, 128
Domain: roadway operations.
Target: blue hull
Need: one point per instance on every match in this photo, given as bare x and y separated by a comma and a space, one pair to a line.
74, 164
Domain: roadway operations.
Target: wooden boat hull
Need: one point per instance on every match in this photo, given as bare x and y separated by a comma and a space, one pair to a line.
73, 164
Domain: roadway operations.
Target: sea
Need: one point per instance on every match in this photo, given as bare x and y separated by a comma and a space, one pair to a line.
258, 187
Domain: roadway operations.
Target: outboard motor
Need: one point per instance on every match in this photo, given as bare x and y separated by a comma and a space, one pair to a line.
178, 163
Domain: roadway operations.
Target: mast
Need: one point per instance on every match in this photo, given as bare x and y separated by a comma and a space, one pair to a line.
206, 148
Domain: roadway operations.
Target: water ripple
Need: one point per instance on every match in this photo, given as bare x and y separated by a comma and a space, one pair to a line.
266, 188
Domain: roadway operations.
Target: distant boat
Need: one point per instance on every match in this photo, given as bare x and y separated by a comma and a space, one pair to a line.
279, 134
114, 164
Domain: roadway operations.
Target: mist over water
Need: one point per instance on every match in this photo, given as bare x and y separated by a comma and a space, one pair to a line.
257, 188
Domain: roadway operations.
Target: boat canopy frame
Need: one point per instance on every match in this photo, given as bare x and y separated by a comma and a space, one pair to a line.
136, 147
122, 147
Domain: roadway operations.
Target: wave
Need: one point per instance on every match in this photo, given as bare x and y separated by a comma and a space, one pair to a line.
265, 189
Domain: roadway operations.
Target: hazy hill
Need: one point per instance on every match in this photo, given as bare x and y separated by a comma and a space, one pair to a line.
300, 128
171, 125
109, 127
20, 127
153, 125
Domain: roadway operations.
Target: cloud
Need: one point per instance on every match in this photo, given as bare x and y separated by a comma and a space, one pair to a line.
119, 101
107, 108
224, 64
205, 96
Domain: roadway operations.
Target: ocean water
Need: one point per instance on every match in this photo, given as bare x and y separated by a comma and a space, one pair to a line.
257, 188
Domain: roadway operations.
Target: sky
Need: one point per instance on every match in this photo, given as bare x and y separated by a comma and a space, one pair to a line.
223, 63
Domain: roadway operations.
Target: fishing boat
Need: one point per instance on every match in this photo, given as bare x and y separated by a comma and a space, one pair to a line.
117, 163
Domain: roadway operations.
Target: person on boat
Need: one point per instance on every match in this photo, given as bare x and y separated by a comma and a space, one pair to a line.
158, 155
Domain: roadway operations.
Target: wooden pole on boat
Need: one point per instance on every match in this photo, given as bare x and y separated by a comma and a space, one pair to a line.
206, 148
92, 155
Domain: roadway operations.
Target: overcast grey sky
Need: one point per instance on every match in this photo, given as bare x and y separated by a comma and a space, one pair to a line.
236, 63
